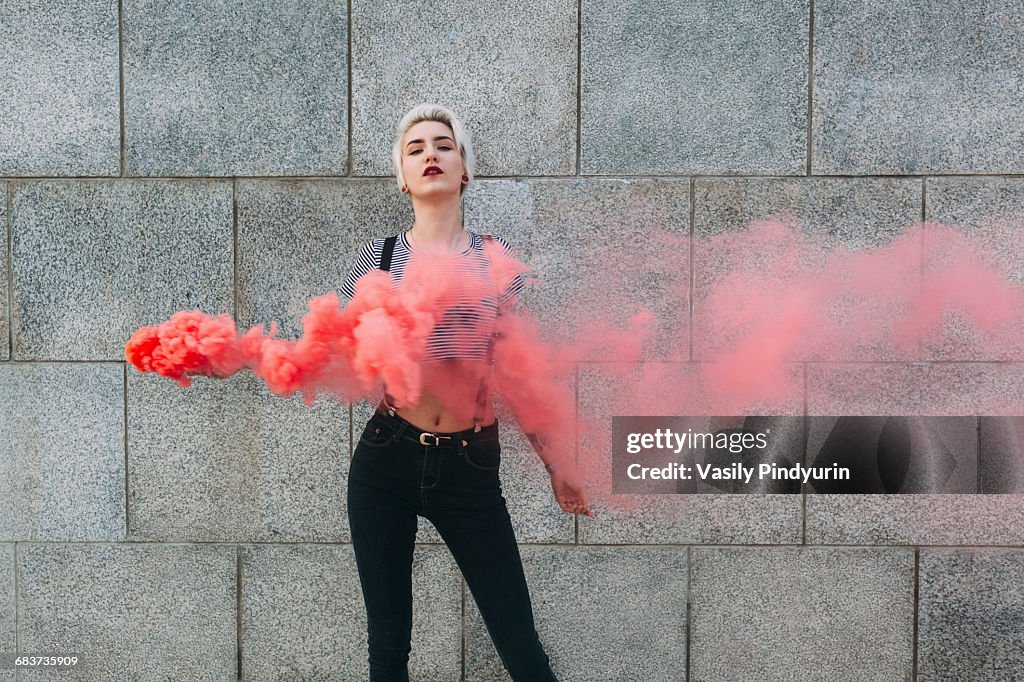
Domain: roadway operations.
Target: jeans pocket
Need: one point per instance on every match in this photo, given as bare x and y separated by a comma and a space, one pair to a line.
376, 436
485, 455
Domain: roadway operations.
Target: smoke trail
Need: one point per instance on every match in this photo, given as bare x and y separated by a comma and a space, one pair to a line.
776, 297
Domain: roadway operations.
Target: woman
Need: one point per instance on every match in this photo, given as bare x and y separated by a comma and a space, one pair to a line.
430, 458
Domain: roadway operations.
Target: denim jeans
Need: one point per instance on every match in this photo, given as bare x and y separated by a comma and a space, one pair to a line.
454, 484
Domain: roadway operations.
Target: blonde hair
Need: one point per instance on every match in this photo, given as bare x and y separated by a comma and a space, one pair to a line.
433, 112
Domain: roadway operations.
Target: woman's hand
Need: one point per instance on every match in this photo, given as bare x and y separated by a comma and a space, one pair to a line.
570, 493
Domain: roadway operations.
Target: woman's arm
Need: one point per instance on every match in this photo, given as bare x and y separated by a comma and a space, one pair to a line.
366, 260
510, 307
566, 482
530, 393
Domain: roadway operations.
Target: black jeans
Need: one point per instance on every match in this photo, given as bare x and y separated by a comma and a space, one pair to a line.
454, 484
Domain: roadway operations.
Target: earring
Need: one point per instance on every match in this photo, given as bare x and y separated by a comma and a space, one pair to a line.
405, 188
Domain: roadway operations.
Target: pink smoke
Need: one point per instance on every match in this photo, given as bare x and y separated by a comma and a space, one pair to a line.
775, 297
379, 337
771, 297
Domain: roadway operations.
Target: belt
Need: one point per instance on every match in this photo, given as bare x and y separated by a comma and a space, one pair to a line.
414, 434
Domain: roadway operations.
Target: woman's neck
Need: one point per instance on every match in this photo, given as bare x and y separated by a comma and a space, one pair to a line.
437, 227
437, 238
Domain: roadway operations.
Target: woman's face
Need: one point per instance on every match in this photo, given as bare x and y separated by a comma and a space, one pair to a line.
431, 143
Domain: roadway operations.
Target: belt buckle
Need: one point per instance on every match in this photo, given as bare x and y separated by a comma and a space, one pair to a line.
437, 439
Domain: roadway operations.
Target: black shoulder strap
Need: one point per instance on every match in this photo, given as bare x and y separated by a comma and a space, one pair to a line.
385, 255
385, 264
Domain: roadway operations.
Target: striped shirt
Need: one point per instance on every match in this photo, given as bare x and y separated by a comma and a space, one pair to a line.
449, 339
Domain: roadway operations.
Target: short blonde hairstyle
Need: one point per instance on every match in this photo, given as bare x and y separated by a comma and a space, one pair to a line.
433, 112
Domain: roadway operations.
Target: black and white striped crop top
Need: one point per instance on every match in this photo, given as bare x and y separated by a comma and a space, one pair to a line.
448, 339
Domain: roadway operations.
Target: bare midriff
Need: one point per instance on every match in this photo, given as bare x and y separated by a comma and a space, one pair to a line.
449, 398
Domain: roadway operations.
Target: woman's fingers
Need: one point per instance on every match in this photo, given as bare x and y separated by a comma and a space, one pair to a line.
576, 508
571, 498
575, 505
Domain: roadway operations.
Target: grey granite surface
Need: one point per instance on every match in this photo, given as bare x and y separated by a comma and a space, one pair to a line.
134, 610
298, 239
228, 460
602, 614
303, 616
978, 221
807, 613
691, 88
94, 260
829, 222
508, 71
950, 389
8, 604
971, 614
62, 465
932, 87
5, 308
221, 88
61, 89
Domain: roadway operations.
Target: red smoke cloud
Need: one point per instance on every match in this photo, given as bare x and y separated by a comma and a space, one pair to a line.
772, 296
380, 336
775, 297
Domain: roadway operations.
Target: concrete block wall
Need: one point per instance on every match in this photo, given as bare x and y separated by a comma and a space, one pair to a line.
161, 156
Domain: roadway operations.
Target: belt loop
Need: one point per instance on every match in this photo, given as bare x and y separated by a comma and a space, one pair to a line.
400, 430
